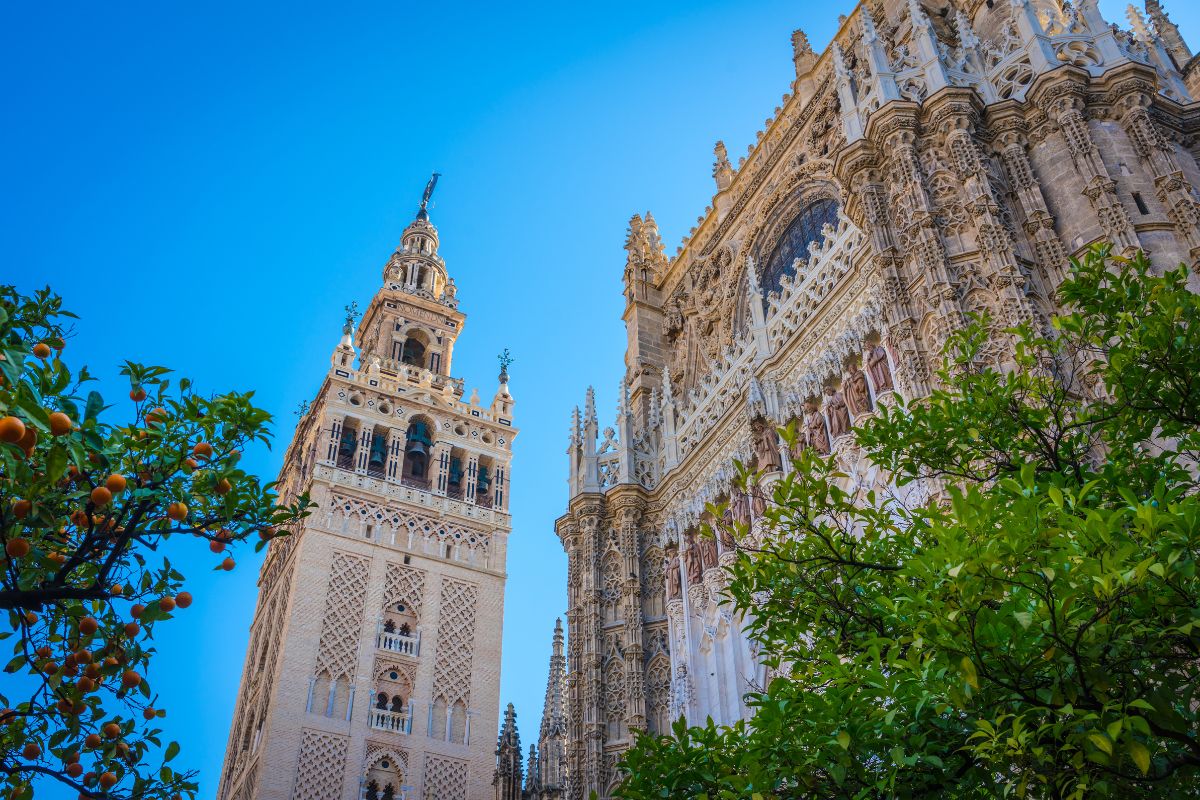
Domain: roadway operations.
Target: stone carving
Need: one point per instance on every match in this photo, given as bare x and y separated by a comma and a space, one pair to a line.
814, 428
858, 395
691, 557
673, 576
766, 447
708, 550
877, 364
839, 416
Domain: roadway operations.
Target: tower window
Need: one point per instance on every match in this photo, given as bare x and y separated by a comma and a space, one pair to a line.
413, 352
1141, 204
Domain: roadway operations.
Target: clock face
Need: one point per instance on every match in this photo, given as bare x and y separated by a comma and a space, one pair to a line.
793, 244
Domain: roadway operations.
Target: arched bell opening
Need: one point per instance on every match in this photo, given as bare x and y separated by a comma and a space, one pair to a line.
418, 449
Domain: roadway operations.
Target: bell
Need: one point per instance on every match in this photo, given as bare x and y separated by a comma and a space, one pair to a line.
456, 471
484, 481
419, 433
418, 447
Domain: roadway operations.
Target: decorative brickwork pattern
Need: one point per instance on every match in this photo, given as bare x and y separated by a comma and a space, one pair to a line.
404, 522
341, 628
445, 779
403, 586
321, 767
456, 643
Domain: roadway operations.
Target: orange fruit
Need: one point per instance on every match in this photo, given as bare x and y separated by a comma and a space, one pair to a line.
21, 508
41, 350
228, 564
31, 751
28, 440
57, 557
60, 424
83, 656
156, 415
17, 548
191, 464
71, 757
101, 496
202, 450
137, 395
117, 590
167, 604
31, 617
88, 626
85, 684
216, 546
130, 679
223, 486
149, 714
115, 483
11, 430
183, 599
74, 769
177, 511
136, 610
93, 740
132, 629
111, 730
107, 780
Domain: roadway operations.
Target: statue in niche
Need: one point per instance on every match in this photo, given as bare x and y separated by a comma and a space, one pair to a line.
801, 442
877, 365
839, 415
708, 551
672, 565
739, 507
858, 395
692, 558
766, 447
814, 427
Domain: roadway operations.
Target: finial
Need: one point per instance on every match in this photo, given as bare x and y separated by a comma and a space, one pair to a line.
352, 316
423, 211
800, 44
505, 359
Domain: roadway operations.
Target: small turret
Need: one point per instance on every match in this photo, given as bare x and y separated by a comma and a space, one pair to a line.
343, 354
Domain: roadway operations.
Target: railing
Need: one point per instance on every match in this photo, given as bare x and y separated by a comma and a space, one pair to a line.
415, 482
455, 491
395, 721
399, 643
484, 499
367, 794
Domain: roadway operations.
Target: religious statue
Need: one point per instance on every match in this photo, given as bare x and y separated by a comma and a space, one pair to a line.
739, 505
800, 443
766, 447
708, 551
839, 416
694, 568
672, 566
814, 426
858, 395
877, 365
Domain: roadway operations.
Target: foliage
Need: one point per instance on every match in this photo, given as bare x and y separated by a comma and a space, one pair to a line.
88, 512
1019, 616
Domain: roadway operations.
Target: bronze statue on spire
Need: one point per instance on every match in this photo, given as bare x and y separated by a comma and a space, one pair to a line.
423, 211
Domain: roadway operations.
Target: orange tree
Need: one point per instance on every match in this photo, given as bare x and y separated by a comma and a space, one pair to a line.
89, 510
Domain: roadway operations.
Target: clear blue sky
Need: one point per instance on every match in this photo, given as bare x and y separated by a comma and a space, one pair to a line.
208, 184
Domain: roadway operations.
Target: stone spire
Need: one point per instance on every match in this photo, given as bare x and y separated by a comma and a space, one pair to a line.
722, 169
552, 736
1168, 32
507, 779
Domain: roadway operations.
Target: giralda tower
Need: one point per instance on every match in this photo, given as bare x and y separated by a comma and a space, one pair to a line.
373, 667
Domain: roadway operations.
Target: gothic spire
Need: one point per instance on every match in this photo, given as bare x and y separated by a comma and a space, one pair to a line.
507, 777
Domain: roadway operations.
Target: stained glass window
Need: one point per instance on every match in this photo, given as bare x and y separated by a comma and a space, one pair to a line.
804, 229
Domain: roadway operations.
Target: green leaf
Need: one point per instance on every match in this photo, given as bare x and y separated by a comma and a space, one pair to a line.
843, 738
969, 673
1139, 754
172, 751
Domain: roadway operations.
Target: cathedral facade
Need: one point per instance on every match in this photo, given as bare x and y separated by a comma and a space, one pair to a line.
939, 158
373, 666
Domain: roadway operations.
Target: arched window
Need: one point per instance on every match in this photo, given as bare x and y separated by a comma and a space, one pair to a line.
413, 352
793, 244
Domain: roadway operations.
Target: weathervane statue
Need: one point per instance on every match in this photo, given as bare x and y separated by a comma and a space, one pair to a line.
423, 211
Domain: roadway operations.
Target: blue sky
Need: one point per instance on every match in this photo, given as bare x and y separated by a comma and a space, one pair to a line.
209, 184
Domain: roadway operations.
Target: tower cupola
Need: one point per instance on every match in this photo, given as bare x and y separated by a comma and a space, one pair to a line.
416, 267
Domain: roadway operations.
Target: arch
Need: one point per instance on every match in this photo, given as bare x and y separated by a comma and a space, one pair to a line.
418, 447
374, 757
792, 241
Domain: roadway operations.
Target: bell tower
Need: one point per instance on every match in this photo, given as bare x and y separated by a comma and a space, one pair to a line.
374, 659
